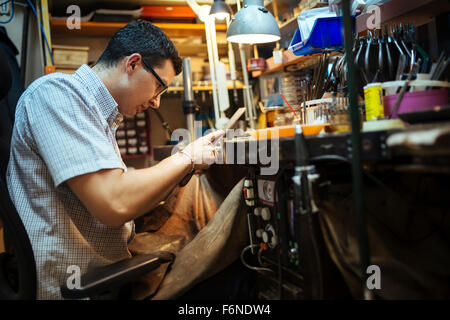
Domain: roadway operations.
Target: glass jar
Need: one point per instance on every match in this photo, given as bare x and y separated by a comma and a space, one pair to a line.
278, 120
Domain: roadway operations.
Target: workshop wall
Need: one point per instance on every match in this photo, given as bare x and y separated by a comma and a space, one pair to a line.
34, 63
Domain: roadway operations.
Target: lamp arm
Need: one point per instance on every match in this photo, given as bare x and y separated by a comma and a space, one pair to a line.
212, 67
232, 62
194, 6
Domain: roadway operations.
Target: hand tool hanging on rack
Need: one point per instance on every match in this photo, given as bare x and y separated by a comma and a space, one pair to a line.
320, 77
399, 35
341, 67
412, 70
385, 56
403, 56
331, 76
380, 68
387, 45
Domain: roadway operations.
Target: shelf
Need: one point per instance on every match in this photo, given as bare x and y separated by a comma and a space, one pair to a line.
395, 11
202, 88
92, 28
309, 6
289, 59
288, 22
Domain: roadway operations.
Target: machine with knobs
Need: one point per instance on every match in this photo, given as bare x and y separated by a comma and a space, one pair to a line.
272, 225
287, 247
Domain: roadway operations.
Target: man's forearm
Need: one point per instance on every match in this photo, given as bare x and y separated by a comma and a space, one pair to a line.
114, 197
141, 190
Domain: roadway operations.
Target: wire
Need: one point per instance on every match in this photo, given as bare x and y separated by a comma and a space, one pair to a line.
249, 266
259, 255
12, 11
42, 30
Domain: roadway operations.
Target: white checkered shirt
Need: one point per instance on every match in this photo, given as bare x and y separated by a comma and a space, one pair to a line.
64, 127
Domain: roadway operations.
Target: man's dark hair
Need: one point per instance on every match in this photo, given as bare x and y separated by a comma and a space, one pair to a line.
144, 38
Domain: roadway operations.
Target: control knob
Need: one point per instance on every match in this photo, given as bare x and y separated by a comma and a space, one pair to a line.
265, 214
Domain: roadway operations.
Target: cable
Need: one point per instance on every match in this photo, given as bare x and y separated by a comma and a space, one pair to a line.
42, 30
12, 11
259, 255
249, 266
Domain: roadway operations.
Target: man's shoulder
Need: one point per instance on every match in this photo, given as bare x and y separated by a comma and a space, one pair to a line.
63, 90
54, 81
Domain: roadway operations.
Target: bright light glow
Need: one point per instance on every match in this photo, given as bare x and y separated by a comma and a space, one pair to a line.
222, 15
253, 38
203, 13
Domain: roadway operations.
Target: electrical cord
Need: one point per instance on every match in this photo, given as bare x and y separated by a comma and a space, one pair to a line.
42, 30
12, 10
249, 266
259, 256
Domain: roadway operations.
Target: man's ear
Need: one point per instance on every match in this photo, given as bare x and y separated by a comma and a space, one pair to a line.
133, 62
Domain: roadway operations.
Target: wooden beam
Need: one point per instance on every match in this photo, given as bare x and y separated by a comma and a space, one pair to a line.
189, 50
92, 28
395, 11
289, 59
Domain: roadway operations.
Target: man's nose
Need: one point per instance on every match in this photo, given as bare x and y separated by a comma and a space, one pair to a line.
154, 103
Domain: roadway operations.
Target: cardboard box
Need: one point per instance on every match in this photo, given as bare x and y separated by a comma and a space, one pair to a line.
70, 57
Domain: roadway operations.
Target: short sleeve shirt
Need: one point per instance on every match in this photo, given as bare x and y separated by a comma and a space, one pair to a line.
64, 127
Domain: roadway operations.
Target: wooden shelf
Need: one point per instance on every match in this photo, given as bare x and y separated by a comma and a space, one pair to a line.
199, 49
91, 28
202, 88
288, 59
288, 22
395, 11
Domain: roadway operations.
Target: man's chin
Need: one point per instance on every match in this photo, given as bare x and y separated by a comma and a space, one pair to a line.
129, 113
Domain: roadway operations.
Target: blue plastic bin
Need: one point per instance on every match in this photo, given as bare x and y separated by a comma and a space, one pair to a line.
326, 35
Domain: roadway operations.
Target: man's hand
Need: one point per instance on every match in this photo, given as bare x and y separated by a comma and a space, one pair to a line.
202, 152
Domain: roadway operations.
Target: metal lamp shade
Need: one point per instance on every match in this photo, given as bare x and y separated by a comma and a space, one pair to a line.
253, 24
220, 8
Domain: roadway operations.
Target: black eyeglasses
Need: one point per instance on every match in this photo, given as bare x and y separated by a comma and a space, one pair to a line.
162, 83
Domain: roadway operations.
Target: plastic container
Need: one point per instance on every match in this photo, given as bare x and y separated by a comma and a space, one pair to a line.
326, 35
287, 131
415, 101
373, 96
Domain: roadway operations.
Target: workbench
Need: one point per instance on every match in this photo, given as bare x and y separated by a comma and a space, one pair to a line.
417, 147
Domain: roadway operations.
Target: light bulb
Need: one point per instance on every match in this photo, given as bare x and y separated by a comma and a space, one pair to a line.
253, 38
222, 15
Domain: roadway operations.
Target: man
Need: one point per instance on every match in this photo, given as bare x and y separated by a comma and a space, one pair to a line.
65, 175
